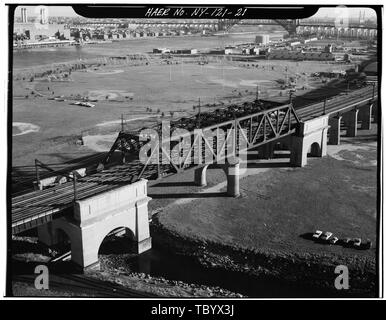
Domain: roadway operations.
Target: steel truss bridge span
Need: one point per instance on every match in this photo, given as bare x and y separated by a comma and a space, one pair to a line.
214, 143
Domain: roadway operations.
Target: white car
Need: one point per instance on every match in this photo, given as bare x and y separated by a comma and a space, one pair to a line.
357, 242
317, 234
333, 240
325, 236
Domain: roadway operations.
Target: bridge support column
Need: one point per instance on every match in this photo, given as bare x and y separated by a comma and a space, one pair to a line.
266, 151
232, 170
375, 112
334, 131
95, 217
312, 135
200, 176
364, 115
350, 119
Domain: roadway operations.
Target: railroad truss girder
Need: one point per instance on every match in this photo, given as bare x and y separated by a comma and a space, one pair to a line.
216, 143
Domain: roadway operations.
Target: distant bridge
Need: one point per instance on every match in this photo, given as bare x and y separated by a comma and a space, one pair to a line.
290, 25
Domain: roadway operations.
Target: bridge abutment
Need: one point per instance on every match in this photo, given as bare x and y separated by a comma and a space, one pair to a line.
334, 131
350, 119
312, 135
95, 217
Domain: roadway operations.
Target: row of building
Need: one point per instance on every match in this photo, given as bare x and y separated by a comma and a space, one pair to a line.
268, 52
30, 33
117, 34
27, 32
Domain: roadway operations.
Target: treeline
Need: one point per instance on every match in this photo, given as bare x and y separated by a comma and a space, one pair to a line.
46, 71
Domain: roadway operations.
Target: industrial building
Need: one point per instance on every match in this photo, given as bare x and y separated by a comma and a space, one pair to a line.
262, 39
233, 50
300, 55
185, 51
161, 50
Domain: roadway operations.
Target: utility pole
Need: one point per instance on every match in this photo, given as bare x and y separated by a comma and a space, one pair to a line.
122, 122
75, 187
257, 93
123, 157
37, 173
199, 112
373, 90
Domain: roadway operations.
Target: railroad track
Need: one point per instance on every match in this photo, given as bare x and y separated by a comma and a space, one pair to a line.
81, 284
336, 104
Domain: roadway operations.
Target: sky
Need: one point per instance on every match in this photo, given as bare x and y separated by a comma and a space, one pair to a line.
353, 12
69, 12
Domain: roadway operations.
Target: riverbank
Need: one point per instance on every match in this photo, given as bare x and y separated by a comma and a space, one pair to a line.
310, 275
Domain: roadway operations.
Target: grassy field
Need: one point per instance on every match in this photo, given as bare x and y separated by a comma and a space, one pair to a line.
131, 91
